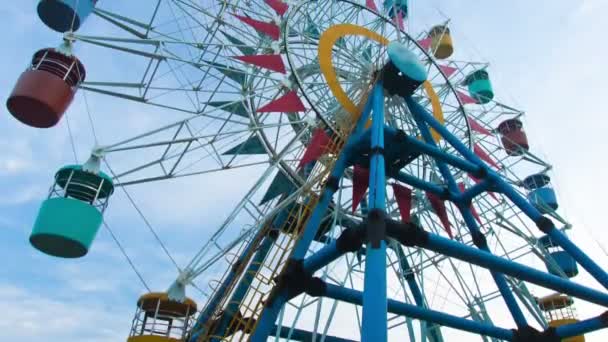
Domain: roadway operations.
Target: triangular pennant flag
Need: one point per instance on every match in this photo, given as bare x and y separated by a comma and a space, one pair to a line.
371, 5
466, 99
253, 145
269, 29
234, 74
318, 145
288, 103
439, 208
237, 108
425, 43
473, 211
477, 180
447, 70
360, 184
246, 50
399, 21
477, 127
280, 185
278, 6
403, 195
271, 62
481, 153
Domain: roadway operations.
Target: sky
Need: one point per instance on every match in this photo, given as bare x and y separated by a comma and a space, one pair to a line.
546, 57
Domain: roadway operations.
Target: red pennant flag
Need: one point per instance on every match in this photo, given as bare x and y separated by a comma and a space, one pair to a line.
477, 180
481, 153
466, 99
272, 30
447, 70
316, 147
473, 211
371, 5
439, 208
360, 184
278, 6
477, 127
403, 195
271, 62
288, 103
425, 43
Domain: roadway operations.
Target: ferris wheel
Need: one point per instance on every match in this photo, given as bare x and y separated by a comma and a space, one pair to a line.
395, 195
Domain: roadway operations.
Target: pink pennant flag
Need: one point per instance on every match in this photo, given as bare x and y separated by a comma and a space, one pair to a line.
439, 208
447, 70
278, 6
360, 184
477, 180
270, 29
318, 145
477, 127
466, 99
271, 62
403, 195
473, 211
371, 5
399, 21
481, 153
288, 103
425, 43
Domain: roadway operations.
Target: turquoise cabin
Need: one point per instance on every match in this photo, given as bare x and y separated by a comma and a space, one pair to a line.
68, 220
480, 87
394, 7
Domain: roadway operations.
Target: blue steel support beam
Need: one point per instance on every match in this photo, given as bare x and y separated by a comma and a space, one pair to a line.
413, 311
582, 327
487, 260
419, 114
271, 311
434, 331
375, 325
305, 336
322, 257
560, 238
419, 183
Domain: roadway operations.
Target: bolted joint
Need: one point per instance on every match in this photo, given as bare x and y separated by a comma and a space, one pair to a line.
332, 183
544, 224
445, 194
351, 240
479, 239
376, 150
481, 173
604, 318
408, 234
295, 280
375, 227
529, 334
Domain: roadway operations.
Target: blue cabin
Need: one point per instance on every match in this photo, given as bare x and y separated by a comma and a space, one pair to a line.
540, 193
561, 259
394, 7
65, 15
480, 87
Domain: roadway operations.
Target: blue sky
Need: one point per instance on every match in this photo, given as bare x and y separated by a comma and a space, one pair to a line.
547, 57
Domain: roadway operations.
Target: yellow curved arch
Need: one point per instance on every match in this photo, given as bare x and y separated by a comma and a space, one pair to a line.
326, 43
